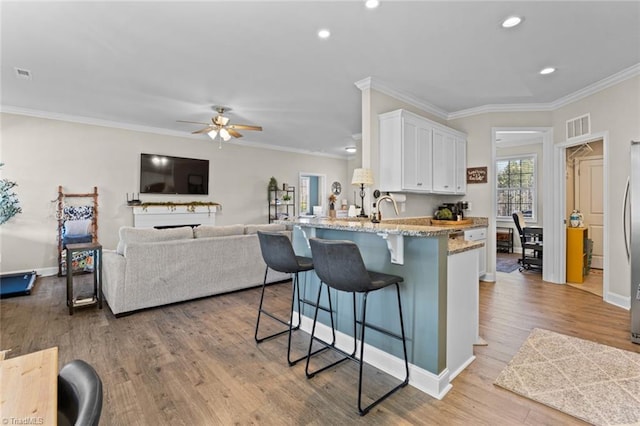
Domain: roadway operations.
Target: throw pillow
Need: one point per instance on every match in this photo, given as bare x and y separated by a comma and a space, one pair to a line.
77, 227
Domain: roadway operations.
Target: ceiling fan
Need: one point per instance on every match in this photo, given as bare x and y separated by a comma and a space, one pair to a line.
220, 126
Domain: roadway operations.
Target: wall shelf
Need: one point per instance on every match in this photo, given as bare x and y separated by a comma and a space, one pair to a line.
280, 209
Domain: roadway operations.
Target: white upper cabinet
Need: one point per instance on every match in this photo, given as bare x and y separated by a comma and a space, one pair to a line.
461, 165
444, 157
419, 155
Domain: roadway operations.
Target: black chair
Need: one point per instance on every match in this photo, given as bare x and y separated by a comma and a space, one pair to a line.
531, 241
339, 265
79, 395
278, 254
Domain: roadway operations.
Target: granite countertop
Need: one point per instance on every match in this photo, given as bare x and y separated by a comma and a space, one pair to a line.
459, 245
368, 226
410, 227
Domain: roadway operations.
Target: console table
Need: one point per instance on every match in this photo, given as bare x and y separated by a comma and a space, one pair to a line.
170, 216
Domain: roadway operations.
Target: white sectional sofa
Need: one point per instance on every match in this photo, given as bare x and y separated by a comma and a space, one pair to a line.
154, 267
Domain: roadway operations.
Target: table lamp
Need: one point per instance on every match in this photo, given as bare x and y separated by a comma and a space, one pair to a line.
362, 177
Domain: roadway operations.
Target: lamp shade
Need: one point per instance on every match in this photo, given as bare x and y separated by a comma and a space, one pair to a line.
362, 177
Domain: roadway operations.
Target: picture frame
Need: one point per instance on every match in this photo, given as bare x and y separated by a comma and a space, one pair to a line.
477, 174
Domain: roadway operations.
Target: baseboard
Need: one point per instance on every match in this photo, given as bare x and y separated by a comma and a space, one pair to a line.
621, 301
434, 385
43, 272
489, 277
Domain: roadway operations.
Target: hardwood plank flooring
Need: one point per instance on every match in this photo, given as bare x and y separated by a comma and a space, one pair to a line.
196, 363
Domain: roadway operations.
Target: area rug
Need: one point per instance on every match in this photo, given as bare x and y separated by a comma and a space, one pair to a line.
593, 382
507, 263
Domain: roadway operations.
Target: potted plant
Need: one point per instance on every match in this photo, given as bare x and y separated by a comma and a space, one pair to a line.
273, 184
332, 205
286, 198
9, 205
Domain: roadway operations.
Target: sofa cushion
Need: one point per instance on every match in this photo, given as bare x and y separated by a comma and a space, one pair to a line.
272, 227
151, 235
207, 231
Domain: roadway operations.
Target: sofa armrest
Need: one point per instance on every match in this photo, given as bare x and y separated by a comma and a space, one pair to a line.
113, 270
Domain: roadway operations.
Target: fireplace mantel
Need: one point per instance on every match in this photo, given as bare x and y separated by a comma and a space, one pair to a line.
175, 215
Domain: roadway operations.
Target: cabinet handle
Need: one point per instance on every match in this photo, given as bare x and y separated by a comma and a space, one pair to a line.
419, 183
446, 186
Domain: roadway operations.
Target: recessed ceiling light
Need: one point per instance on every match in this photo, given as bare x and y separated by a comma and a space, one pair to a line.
511, 21
324, 33
372, 4
351, 149
547, 70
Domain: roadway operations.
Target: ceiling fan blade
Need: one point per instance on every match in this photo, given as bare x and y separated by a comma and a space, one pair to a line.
192, 122
244, 127
204, 130
233, 133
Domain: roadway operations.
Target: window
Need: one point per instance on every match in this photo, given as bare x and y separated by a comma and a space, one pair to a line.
516, 186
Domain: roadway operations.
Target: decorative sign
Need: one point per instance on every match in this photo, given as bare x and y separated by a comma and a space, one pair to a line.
476, 175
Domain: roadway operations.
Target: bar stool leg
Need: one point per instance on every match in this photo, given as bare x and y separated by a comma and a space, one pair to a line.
365, 410
326, 345
262, 311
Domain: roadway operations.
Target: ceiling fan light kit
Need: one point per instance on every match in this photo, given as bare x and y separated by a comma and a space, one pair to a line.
220, 126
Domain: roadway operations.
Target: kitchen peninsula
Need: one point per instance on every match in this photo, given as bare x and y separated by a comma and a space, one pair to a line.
439, 294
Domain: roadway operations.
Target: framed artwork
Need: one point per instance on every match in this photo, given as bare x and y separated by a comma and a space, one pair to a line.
476, 175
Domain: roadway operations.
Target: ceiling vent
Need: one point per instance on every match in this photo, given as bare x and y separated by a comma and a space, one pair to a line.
23, 74
579, 126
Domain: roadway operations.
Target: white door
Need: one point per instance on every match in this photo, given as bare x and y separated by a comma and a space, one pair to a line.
589, 188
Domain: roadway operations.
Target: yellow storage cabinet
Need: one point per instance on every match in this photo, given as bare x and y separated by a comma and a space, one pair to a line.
576, 254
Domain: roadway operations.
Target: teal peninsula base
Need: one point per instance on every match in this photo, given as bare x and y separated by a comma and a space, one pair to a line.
440, 316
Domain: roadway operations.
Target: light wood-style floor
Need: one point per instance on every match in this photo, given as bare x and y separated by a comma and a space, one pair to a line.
196, 363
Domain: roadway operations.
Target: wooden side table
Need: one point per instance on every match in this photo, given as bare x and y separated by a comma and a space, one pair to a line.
504, 239
96, 297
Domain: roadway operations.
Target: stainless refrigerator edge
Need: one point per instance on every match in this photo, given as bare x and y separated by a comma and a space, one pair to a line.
632, 197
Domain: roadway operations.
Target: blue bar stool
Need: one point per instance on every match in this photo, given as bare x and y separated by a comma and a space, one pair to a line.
278, 254
339, 265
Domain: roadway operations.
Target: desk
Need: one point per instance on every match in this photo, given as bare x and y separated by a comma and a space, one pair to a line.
29, 388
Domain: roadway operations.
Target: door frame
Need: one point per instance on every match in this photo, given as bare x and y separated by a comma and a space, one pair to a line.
557, 208
547, 251
322, 188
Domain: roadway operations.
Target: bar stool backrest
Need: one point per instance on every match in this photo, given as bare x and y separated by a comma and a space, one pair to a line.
339, 264
277, 252
79, 394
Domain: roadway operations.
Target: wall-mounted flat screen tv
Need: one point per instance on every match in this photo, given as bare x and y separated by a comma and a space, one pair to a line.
163, 174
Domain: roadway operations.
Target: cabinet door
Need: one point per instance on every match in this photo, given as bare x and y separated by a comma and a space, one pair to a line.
416, 157
444, 171
461, 166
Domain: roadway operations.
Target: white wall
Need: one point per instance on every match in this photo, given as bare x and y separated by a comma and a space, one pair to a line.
40, 154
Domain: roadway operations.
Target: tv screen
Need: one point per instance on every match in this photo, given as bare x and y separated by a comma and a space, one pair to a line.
163, 174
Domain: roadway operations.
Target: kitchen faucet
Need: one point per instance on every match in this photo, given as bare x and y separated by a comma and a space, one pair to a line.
388, 198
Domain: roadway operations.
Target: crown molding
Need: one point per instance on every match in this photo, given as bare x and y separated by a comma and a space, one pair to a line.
499, 108
380, 86
619, 77
9, 109
589, 90
605, 83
